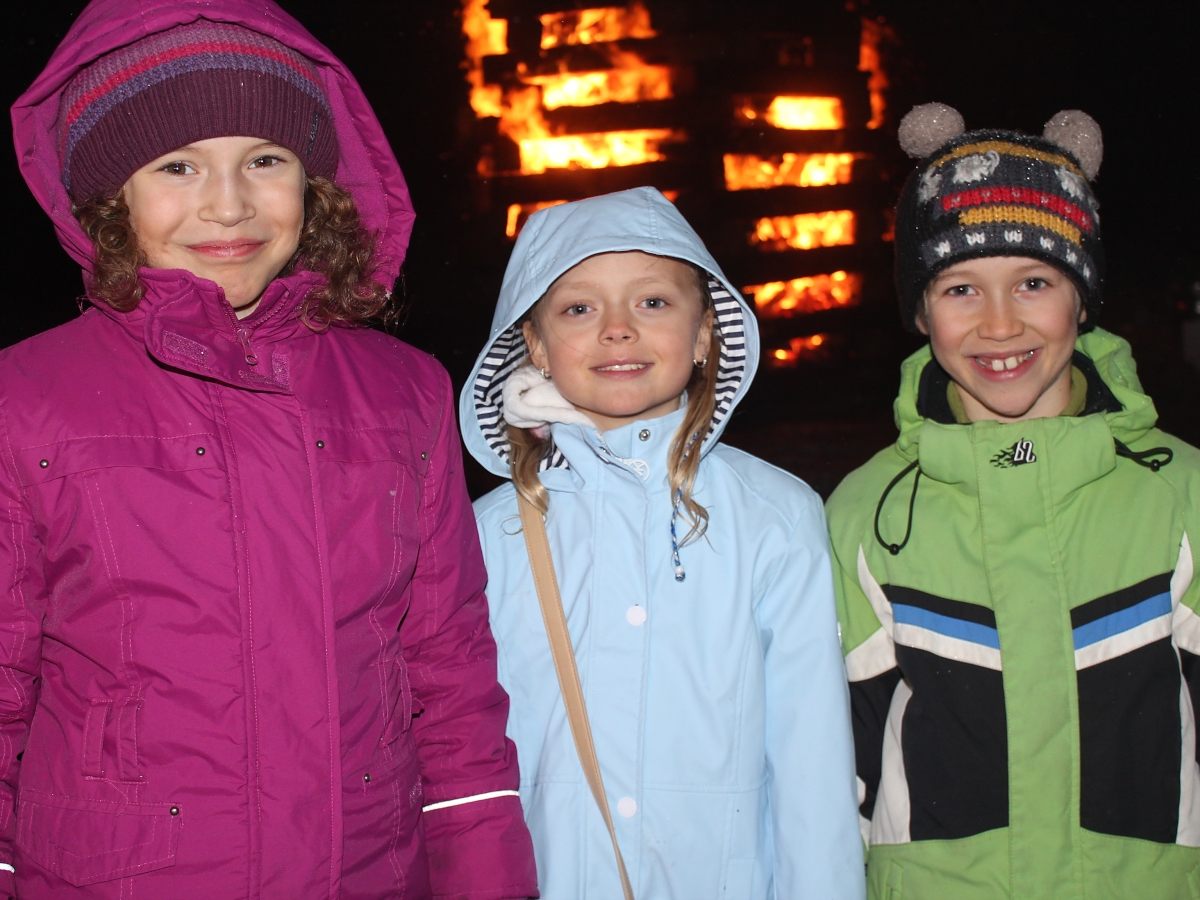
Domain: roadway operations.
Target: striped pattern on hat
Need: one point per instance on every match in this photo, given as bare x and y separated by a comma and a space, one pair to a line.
997, 193
185, 84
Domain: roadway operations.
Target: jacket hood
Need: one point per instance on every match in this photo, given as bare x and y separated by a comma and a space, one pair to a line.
366, 166
1110, 356
555, 239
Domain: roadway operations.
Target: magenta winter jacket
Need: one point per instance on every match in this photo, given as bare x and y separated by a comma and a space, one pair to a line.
243, 635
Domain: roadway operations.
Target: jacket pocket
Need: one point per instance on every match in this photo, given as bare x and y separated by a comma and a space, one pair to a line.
120, 517
89, 841
370, 488
48, 462
399, 717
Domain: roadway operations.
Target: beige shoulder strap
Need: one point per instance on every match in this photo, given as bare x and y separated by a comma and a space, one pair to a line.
564, 664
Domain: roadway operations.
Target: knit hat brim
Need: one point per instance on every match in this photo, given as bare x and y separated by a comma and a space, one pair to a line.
189, 83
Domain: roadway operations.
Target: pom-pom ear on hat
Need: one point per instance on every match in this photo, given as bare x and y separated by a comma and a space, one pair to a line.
926, 127
1079, 134
997, 193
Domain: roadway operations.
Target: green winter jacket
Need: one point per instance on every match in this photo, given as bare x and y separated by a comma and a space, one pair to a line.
1019, 617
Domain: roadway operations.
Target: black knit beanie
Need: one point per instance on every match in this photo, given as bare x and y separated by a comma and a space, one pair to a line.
997, 193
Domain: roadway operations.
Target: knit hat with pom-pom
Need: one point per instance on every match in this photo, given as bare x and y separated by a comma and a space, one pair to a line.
997, 193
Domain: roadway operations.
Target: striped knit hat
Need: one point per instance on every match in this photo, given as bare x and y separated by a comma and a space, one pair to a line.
185, 84
998, 193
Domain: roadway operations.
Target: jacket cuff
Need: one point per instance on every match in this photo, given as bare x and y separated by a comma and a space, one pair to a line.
479, 848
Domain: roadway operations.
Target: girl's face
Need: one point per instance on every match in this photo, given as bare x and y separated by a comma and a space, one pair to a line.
1004, 329
618, 334
228, 209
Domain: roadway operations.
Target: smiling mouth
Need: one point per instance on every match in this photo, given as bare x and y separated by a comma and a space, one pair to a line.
1004, 363
227, 249
622, 367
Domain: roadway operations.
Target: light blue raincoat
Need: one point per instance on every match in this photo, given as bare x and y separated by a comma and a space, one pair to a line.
718, 704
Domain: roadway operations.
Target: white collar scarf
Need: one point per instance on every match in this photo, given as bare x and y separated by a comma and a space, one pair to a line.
532, 401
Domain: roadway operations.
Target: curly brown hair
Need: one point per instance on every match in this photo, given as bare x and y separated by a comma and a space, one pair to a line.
333, 242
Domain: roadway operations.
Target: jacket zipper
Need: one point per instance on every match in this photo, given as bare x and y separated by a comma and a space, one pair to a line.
243, 336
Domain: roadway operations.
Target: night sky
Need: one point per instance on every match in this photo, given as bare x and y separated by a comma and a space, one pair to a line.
1009, 64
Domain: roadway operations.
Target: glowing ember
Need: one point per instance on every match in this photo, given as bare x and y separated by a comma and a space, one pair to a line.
595, 26
797, 113
796, 348
749, 172
813, 293
805, 231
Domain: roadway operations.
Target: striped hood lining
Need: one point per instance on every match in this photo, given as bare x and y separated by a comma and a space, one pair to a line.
508, 352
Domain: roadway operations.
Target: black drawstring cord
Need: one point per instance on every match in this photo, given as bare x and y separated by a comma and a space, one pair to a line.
895, 549
1142, 457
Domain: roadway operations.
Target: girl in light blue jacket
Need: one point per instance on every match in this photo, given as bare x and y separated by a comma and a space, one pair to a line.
695, 578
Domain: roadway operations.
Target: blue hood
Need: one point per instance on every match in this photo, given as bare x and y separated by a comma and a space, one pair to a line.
555, 239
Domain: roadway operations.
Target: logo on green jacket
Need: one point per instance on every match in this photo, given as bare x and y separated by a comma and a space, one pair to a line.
1017, 455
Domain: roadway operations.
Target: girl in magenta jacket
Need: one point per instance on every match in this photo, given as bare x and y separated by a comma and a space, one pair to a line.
243, 636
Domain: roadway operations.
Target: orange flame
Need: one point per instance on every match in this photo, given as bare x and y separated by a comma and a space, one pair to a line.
796, 348
813, 293
804, 231
541, 149
521, 109
485, 37
749, 172
629, 81
870, 59
519, 213
593, 151
595, 26
797, 112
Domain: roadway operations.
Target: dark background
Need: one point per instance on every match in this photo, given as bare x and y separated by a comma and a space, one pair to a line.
1004, 64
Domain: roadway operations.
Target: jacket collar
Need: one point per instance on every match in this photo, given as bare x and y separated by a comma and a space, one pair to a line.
1080, 450
1114, 393
636, 452
186, 323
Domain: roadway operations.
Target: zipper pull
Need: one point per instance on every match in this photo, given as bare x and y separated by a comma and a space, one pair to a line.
244, 339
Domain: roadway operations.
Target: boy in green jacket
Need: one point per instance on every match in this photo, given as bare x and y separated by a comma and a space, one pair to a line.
1016, 588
